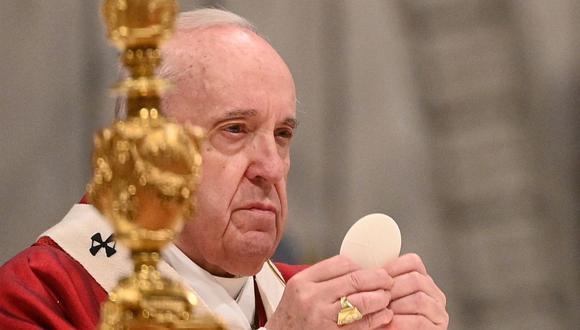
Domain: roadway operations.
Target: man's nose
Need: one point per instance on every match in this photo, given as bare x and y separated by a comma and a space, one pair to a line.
266, 163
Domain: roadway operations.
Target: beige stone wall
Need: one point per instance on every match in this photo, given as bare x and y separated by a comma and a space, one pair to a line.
484, 71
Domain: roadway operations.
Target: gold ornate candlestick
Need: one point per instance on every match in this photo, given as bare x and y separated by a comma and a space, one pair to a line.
145, 173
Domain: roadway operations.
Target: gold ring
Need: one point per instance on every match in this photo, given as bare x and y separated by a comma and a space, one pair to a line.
348, 313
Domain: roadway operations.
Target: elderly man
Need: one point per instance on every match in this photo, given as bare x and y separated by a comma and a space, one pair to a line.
232, 83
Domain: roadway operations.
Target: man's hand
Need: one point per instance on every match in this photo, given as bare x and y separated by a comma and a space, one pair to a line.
415, 298
312, 297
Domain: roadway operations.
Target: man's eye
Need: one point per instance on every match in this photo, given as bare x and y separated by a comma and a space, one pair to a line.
284, 133
235, 128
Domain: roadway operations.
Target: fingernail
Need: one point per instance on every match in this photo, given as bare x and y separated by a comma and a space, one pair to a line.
390, 315
387, 319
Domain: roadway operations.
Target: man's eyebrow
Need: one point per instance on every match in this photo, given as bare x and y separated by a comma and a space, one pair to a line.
290, 121
246, 113
240, 114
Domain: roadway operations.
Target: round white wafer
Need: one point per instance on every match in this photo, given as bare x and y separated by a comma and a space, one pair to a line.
373, 241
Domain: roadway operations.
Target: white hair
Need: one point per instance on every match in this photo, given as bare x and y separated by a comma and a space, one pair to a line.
188, 21
198, 20
208, 17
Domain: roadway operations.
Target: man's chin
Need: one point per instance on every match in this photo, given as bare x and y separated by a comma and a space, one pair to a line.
249, 257
246, 267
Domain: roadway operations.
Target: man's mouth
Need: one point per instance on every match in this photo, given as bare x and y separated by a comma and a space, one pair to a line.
258, 216
259, 207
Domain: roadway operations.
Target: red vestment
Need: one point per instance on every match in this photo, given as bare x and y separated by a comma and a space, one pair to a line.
45, 288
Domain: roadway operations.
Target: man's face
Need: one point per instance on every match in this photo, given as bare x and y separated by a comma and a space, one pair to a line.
240, 91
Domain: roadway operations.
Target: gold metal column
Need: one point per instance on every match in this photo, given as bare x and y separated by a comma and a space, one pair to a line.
145, 174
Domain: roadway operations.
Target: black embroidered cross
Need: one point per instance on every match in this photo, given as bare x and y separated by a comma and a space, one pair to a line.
97, 244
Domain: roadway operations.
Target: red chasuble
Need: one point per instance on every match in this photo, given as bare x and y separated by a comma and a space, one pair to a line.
45, 288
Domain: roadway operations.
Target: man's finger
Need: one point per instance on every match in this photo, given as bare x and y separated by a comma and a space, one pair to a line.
422, 304
441, 297
328, 269
368, 302
358, 281
405, 264
413, 282
412, 322
378, 320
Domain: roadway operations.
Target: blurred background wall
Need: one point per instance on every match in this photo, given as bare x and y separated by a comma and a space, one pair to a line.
459, 118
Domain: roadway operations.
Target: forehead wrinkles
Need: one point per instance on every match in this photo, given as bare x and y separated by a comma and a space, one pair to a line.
189, 62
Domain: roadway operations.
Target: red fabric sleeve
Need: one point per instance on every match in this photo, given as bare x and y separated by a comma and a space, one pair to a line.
44, 288
288, 271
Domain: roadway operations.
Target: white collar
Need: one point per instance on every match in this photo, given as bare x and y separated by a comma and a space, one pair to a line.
240, 289
233, 285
